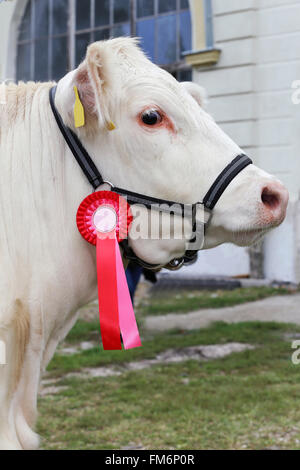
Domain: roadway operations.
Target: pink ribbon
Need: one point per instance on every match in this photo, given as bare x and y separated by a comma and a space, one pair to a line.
128, 326
108, 293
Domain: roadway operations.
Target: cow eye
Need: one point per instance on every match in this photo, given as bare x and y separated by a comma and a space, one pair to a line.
151, 117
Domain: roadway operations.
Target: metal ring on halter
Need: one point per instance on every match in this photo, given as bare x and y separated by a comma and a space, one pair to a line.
105, 182
110, 184
175, 264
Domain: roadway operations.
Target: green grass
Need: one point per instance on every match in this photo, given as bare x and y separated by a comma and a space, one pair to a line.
84, 331
151, 345
174, 301
247, 400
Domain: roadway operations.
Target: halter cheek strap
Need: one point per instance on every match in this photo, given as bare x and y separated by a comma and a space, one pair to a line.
81, 155
95, 179
224, 179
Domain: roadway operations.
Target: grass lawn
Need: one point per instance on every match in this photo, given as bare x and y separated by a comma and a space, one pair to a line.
181, 301
248, 400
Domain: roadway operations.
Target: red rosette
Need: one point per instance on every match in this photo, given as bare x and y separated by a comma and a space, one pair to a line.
90, 205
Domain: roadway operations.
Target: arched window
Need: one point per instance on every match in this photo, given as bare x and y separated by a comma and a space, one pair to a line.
54, 34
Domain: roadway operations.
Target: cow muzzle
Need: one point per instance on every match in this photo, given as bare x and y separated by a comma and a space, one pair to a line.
274, 202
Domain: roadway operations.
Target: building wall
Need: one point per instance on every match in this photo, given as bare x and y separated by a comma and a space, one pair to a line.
250, 97
6, 12
277, 132
229, 85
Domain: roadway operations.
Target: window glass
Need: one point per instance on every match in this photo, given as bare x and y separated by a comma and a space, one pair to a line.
24, 32
166, 39
121, 11
184, 75
23, 65
101, 12
166, 5
60, 16
121, 30
145, 8
185, 31
83, 14
102, 34
184, 4
41, 60
164, 27
41, 18
145, 29
59, 57
208, 23
82, 42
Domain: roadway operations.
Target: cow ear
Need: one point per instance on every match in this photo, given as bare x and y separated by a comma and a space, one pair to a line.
93, 79
197, 92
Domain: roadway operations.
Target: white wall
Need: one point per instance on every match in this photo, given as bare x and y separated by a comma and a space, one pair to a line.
6, 12
277, 131
211, 262
11, 12
230, 89
250, 97
219, 262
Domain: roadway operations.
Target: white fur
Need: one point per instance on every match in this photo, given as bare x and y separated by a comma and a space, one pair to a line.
48, 270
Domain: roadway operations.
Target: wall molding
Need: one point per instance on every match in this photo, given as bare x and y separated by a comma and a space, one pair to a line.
203, 54
203, 57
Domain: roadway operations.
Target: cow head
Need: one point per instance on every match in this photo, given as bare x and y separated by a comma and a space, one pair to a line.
164, 145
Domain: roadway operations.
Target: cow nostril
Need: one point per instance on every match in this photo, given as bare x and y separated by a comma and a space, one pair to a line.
270, 198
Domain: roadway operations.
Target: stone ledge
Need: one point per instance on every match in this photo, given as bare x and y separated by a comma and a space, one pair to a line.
203, 57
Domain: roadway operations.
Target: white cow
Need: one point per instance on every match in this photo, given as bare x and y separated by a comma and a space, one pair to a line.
47, 270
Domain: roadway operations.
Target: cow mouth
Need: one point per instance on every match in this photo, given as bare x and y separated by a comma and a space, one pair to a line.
248, 237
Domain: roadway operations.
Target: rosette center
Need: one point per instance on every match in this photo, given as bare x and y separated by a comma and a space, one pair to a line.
105, 219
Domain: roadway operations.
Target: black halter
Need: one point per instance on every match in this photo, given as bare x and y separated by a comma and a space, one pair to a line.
95, 179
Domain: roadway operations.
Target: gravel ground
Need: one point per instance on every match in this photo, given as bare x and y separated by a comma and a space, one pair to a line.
283, 309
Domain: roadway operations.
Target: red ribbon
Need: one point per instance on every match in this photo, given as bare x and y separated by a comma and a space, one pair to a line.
104, 228
108, 294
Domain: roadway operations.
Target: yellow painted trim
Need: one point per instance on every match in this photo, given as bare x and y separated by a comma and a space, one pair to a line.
205, 57
198, 24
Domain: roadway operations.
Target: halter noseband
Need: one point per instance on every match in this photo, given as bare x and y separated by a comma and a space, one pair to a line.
95, 179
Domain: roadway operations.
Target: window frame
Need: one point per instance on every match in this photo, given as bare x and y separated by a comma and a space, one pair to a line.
72, 32
50, 36
180, 63
204, 53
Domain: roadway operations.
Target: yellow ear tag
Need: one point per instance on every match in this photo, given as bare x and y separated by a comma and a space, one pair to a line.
78, 110
111, 126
